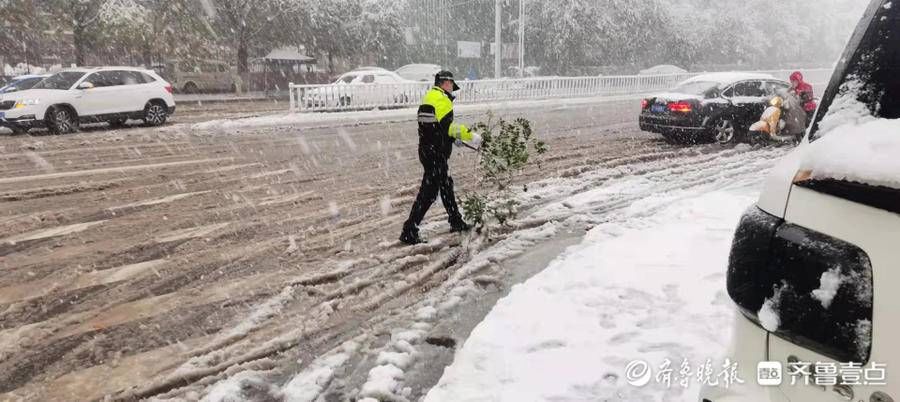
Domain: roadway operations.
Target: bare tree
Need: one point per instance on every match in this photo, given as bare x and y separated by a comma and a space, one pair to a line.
330, 27
248, 23
155, 29
82, 17
20, 28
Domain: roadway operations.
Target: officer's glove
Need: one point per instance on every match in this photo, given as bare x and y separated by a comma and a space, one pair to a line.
475, 142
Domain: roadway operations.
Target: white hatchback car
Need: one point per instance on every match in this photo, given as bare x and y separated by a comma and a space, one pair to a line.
814, 264
85, 95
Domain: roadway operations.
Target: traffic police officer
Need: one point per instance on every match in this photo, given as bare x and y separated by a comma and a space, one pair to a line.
437, 133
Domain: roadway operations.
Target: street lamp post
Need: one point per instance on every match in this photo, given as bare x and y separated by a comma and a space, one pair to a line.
521, 38
497, 42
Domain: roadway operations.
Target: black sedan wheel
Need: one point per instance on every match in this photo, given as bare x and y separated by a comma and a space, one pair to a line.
725, 132
155, 114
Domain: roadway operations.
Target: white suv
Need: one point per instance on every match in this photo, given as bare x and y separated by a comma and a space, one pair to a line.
85, 95
815, 264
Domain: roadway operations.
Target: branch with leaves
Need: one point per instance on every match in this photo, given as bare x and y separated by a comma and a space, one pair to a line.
507, 149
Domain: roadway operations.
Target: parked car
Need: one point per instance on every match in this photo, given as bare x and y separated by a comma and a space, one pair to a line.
663, 69
711, 107
370, 68
204, 76
357, 88
83, 95
419, 72
813, 267
528, 72
22, 82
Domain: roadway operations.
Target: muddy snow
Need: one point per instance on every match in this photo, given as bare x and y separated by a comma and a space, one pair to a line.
260, 263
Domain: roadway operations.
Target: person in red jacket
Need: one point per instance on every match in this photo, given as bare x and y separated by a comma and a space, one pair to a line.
805, 92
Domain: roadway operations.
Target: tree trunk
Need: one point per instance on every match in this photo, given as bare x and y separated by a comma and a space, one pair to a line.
242, 57
330, 63
78, 42
147, 54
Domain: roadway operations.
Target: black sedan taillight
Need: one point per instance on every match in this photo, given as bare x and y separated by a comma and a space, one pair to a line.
681, 107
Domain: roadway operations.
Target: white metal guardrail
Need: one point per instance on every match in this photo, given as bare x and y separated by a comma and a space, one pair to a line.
342, 97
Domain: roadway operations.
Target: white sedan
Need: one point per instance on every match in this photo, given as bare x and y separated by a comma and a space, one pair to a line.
364, 88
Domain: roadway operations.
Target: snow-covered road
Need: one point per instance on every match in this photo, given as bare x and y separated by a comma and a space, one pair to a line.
260, 262
646, 283
649, 288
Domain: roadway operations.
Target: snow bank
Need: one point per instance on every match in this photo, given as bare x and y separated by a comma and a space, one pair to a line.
309, 384
385, 380
569, 332
301, 118
383, 383
393, 115
244, 386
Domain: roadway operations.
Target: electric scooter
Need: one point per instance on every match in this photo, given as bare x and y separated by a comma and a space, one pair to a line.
775, 125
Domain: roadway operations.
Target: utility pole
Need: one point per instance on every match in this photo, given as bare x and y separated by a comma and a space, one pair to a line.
521, 38
497, 41
25, 54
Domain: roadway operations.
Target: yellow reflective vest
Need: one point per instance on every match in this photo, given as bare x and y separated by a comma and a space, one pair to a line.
437, 130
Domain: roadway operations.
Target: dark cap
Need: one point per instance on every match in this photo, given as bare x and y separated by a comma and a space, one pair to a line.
445, 75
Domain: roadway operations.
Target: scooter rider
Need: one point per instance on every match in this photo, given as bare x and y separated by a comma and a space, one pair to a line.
437, 133
805, 91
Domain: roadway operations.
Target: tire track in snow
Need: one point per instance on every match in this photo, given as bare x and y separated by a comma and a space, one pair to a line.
708, 171
259, 236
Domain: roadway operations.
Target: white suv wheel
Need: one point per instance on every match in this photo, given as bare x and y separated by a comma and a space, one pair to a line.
62, 120
155, 114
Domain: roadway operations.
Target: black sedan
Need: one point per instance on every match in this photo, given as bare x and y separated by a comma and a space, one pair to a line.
716, 107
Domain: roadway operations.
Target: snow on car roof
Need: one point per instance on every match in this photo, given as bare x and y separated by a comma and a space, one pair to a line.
662, 69
27, 76
104, 68
863, 153
369, 68
729, 77
853, 145
417, 65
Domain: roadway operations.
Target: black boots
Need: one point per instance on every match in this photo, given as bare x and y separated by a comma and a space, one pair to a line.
410, 236
459, 226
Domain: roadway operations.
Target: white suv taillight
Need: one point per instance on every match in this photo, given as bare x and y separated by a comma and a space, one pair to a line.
169, 89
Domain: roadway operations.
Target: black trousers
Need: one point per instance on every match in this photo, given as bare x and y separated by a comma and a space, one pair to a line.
435, 180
